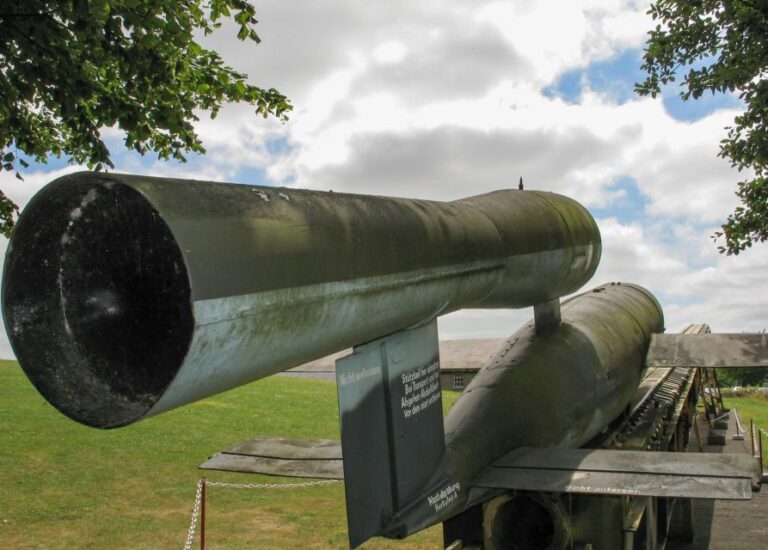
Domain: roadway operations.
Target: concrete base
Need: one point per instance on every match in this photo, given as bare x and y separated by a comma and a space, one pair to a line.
716, 439
721, 424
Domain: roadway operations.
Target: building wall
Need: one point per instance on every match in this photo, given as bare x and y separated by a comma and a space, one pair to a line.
455, 380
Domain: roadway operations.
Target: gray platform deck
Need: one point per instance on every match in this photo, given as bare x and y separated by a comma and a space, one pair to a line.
730, 525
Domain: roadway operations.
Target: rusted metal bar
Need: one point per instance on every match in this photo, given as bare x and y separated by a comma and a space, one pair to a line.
718, 396
697, 433
707, 408
713, 403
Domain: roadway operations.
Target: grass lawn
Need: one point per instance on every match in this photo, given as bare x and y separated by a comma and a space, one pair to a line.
63, 485
754, 408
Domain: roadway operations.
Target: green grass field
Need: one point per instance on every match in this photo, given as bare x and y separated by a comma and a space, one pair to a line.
63, 485
754, 408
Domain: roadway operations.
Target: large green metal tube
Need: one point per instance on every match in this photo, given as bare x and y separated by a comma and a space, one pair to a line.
555, 390
125, 296
584, 374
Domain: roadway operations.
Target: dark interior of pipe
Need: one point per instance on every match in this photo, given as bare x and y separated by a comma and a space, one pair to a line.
523, 524
96, 300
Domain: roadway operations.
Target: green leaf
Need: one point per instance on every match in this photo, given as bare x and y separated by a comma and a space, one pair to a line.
118, 63
730, 38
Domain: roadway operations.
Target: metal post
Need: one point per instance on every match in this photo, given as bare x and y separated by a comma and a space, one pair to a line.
739, 435
716, 388
202, 517
629, 540
763, 472
697, 433
707, 407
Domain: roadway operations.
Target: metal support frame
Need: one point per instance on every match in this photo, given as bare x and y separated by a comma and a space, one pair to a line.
546, 316
714, 411
708, 412
715, 391
760, 454
739, 435
757, 451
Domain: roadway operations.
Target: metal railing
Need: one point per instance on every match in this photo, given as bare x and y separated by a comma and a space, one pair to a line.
739, 435
198, 509
757, 450
763, 474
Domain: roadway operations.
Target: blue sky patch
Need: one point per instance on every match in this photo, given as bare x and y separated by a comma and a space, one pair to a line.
251, 175
626, 204
567, 87
616, 78
129, 161
52, 162
277, 146
697, 109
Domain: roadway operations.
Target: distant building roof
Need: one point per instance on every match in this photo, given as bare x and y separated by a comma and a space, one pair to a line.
467, 354
455, 355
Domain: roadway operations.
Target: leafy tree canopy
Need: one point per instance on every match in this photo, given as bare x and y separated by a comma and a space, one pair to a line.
721, 46
742, 376
69, 68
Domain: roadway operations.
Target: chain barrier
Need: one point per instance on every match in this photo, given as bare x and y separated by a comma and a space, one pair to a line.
199, 493
195, 514
271, 485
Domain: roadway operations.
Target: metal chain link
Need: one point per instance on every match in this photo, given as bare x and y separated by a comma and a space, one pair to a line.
271, 485
195, 514
199, 493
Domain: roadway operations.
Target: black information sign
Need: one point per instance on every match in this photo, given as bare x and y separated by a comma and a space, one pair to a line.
391, 414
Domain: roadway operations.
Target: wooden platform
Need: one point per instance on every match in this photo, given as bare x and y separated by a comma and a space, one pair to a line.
730, 525
277, 456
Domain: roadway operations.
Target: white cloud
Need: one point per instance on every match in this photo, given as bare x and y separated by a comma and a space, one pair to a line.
691, 280
21, 191
390, 52
444, 99
557, 36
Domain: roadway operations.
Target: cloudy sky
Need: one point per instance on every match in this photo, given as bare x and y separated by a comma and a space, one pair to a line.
446, 99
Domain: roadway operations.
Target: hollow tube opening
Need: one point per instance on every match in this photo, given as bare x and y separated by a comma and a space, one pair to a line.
96, 300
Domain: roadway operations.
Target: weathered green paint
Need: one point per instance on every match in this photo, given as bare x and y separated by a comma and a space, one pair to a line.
554, 390
583, 374
245, 281
629, 473
314, 458
709, 350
